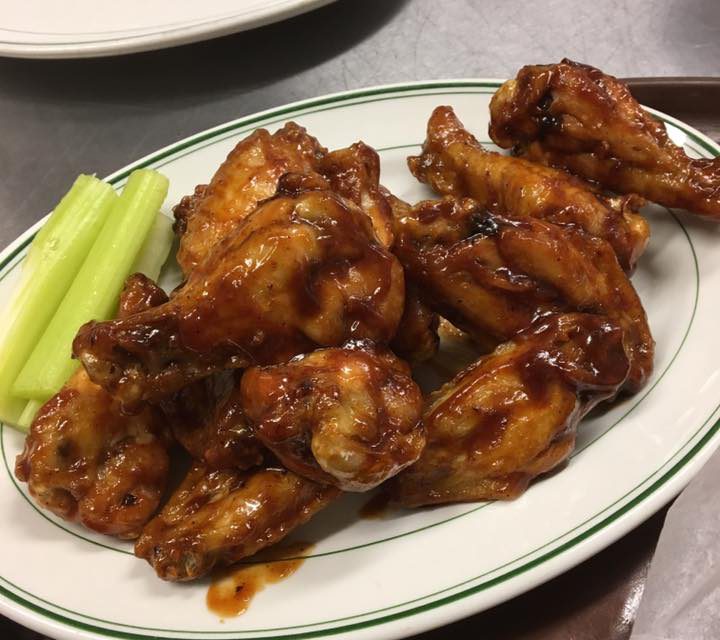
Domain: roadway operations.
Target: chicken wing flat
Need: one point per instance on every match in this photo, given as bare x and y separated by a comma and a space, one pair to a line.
576, 117
217, 517
304, 270
493, 276
346, 416
208, 420
249, 175
512, 415
454, 163
86, 461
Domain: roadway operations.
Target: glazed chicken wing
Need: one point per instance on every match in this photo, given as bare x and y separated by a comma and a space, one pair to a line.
492, 276
249, 175
86, 461
305, 269
217, 517
454, 163
346, 416
512, 415
576, 117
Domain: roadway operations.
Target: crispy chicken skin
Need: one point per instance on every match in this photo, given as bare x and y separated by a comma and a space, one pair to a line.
249, 175
305, 269
217, 517
86, 461
208, 420
492, 276
576, 117
454, 163
347, 416
512, 415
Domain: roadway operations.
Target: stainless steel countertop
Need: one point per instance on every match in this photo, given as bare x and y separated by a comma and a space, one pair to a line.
58, 118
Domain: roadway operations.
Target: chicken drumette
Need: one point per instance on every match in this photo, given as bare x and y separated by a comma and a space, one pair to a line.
217, 517
512, 415
85, 460
576, 117
346, 416
304, 270
492, 276
454, 163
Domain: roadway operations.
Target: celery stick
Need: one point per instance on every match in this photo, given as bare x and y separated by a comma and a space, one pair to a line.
53, 260
28, 414
156, 248
94, 292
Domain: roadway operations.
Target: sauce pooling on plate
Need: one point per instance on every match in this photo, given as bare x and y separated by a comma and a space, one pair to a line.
232, 590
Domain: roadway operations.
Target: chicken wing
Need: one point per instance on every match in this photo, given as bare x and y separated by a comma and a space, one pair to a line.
249, 175
576, 117
492, 276
208, 420
86, 461
346, 416
454, 163
217, 517
304, 270
512, 415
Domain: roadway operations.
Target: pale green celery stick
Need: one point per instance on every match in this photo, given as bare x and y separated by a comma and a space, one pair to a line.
53, 260
28, 414
156, 248
94, 292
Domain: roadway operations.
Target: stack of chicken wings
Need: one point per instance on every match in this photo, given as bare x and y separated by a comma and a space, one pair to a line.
282, 364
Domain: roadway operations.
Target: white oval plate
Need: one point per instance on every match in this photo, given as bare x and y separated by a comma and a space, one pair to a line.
89, 28
412, 570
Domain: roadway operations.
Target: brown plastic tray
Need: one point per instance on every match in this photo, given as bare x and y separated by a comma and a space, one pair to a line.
695, 101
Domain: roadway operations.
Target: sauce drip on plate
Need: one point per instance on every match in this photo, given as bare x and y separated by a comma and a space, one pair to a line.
232, 590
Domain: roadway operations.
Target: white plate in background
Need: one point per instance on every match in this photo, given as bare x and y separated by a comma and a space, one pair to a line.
89, 28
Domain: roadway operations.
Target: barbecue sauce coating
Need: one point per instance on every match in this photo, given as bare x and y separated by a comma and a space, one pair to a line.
512, 415
454, 163
217, 517
493, 276
87, 461
575, 117
345, 416
305, 269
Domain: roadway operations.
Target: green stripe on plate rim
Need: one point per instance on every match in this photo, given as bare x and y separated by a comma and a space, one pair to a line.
347, 99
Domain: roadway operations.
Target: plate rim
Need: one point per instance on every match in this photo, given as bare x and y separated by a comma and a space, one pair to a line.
456, 605
161, 38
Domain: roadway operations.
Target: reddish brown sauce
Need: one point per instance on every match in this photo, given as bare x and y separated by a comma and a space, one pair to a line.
232, 590
376, 508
